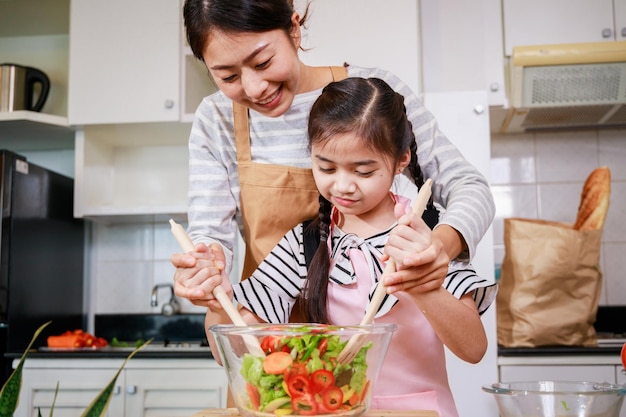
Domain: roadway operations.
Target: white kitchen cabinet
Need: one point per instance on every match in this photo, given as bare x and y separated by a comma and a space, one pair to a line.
129, 64
540, 22
36, 35
134, 90
146, 387
600, 373
620, 375
124, 61
138, 170
462, 47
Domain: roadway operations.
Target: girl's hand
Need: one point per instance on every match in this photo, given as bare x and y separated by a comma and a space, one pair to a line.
198, 273
421, 262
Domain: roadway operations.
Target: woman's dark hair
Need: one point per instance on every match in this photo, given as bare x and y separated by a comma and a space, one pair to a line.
370, 109
203, 16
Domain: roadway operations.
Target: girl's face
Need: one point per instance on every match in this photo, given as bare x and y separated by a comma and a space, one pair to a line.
356, 180
259, 70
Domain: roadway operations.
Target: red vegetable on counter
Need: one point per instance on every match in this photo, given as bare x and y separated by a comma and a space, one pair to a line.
76, 339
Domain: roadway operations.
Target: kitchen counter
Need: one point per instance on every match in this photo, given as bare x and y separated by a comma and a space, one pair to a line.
148, 352
233, 412
561, 351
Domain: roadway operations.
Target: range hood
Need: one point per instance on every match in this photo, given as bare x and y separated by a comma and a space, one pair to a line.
566, 86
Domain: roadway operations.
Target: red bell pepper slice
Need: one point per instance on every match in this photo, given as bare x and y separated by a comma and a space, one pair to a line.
332, 398
304, 405
298, 385
322, 379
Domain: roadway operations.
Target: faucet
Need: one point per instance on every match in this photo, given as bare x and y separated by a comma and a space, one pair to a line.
169, 308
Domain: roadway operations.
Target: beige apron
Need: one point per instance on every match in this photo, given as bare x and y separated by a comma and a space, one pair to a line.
273, 198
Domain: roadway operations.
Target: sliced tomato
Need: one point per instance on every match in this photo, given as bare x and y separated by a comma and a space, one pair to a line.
255, 397
89, 340
101, 342
277, 362
322, 379
298, 385
304, 405
270, 344
332, 398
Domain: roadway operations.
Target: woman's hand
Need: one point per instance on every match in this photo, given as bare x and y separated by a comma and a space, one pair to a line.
198, 273
421, 261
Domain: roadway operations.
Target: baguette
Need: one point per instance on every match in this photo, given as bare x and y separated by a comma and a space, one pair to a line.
594, 200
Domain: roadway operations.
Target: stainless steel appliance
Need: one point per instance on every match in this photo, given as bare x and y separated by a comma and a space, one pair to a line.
41, 256
19, 85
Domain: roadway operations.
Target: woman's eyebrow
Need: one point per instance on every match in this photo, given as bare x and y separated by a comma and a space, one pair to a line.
249, 58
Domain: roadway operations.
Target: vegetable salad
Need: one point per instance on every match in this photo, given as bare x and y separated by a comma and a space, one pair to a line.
300, 375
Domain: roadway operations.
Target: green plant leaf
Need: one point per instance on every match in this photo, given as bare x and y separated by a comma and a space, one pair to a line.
10, 394
100, 404
54, 400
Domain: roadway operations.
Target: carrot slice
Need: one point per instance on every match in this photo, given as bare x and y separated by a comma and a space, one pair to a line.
64, 341
277, 362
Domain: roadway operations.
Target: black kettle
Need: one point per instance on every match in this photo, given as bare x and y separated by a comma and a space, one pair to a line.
18, 88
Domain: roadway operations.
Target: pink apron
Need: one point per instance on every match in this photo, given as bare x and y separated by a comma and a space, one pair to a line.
413, 376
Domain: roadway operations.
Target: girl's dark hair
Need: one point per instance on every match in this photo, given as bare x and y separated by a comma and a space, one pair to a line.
203, 16
370, 109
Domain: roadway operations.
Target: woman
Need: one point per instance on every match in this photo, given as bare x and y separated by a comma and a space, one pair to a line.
249, 162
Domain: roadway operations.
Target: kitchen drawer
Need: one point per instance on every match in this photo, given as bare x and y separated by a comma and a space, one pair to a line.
599, 373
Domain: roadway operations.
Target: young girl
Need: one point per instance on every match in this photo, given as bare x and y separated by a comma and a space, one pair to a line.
360, 139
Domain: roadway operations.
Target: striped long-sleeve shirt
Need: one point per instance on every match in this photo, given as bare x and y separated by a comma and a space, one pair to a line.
272, 289
214, 210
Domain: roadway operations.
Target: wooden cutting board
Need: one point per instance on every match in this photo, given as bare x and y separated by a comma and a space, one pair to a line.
233, 412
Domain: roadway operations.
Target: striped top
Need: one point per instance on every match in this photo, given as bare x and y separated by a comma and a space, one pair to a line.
214, 211
272, 289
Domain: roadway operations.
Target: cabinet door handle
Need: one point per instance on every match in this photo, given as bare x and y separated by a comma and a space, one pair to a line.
117, 390
607, 33
131, 389
169, 104
623, 32
479, 109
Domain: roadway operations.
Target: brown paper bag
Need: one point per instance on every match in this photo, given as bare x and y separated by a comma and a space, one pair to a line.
549, 285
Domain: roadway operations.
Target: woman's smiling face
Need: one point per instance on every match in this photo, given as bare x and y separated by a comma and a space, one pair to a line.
259, 70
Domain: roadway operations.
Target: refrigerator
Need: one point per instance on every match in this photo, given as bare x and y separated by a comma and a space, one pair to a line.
41, 256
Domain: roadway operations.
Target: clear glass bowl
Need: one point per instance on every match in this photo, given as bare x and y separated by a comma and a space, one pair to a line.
299, 374
557, 398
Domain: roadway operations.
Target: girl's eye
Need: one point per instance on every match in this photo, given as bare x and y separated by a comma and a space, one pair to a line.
365, 174
326, 170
